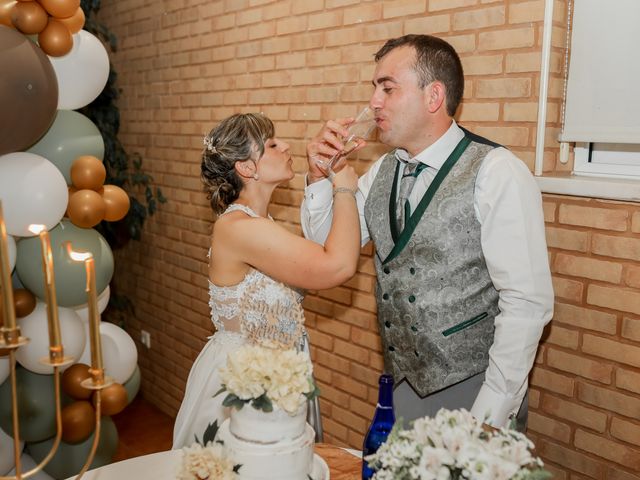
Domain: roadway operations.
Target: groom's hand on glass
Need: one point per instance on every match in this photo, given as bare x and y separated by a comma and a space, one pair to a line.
325, 145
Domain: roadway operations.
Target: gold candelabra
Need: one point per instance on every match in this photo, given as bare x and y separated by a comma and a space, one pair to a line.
11, 340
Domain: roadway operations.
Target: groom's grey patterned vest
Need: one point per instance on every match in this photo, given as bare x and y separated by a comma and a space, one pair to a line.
436, 301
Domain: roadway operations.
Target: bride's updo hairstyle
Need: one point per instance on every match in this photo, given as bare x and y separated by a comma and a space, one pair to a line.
237, 138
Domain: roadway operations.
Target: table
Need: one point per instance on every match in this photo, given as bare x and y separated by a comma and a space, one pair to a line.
343, 465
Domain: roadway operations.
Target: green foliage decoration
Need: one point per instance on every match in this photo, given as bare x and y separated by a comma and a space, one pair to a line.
123, 170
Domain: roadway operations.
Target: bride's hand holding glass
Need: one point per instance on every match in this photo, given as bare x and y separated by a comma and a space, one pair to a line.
337, 139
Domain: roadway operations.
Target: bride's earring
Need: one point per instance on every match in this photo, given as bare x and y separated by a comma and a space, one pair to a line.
256, 177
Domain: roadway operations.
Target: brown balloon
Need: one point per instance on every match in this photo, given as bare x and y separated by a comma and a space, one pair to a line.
6, 6
29, 17
25, 302
116, 202
86, 208
88, 172
113, 399
75, 22
55, 39
29, 93
78, 421
60, 8
72, 379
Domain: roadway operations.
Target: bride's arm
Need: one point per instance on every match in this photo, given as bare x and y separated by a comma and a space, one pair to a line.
294, 260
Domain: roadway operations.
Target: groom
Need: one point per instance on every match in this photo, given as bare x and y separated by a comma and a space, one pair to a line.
463, 283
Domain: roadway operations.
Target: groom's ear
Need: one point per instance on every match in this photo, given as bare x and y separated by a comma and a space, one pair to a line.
246, 168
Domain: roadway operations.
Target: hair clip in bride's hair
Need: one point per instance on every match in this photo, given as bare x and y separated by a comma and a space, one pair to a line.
208, 142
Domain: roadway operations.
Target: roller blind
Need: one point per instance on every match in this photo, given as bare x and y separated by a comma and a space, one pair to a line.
603, 88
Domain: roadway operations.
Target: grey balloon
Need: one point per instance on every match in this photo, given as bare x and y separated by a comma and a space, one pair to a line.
69, 459
71, 135
70, 276
36, 406
132, 385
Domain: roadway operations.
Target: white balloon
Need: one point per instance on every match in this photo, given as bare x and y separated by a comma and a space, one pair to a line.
119, 353
82, 73
103, 301
7, 460
27, 463
12, 252
4, 371
34, 327
32, 190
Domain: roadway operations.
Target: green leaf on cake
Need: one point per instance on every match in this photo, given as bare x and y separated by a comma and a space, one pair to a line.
210, 432
234, 401
223, 389
262, 403
315, 391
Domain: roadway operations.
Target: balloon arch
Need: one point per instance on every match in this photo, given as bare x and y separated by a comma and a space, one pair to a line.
52, 174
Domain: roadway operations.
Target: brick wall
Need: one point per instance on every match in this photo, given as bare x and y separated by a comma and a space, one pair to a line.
184, 65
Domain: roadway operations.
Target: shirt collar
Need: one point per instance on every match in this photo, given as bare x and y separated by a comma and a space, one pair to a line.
437, 153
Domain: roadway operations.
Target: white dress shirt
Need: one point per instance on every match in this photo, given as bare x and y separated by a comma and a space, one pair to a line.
508, 205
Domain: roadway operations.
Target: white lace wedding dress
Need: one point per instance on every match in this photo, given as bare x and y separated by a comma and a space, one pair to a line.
260, 310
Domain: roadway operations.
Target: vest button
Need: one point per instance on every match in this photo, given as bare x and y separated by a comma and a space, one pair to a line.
414, 328
392, 348
387, 324
412, 271
386, 270
412, 299
385, 296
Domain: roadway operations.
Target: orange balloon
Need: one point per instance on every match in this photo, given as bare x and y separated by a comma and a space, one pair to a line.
29, 17
86, 208
55, 39
116, 202
113, 400
75, 22
88, 172
72, 379
6, 6
60, 8
78, 421
71, 189
25, 302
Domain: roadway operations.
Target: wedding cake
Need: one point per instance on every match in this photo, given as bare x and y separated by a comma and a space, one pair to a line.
267, 434
274, 445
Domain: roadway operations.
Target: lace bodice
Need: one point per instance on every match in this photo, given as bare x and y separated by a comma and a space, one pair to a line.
260, 308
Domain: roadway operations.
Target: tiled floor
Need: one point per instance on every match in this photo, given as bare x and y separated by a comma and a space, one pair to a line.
142, 429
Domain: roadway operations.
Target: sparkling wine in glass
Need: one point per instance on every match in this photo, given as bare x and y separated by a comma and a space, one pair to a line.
363, 125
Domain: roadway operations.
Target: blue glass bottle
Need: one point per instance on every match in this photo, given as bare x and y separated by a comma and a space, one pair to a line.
382, 422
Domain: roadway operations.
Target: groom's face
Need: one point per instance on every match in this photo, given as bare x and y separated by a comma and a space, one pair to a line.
398, 100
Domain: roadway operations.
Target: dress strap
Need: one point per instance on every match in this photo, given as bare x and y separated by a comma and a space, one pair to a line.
243, 208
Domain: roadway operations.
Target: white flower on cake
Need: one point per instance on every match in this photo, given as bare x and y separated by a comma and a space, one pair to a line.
454, 445
209, 462
267, 376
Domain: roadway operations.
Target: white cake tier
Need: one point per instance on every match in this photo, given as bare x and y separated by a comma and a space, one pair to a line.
260, 427
284, 460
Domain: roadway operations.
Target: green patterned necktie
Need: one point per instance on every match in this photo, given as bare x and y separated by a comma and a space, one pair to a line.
409, 175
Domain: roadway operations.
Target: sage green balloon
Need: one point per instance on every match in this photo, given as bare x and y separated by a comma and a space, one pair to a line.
70, 276
132, 386
36, 406
71, 135
69, 459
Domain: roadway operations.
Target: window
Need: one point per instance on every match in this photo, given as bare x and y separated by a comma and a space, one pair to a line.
607, 159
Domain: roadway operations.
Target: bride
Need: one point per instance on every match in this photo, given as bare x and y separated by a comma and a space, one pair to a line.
255, 264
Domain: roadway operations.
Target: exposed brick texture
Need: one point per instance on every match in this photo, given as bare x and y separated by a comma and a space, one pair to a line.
185, 65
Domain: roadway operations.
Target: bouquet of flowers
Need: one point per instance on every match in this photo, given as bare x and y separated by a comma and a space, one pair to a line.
454, 445
266, 376
210, 462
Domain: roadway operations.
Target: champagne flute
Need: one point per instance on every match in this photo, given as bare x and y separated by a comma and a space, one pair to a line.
363, 125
